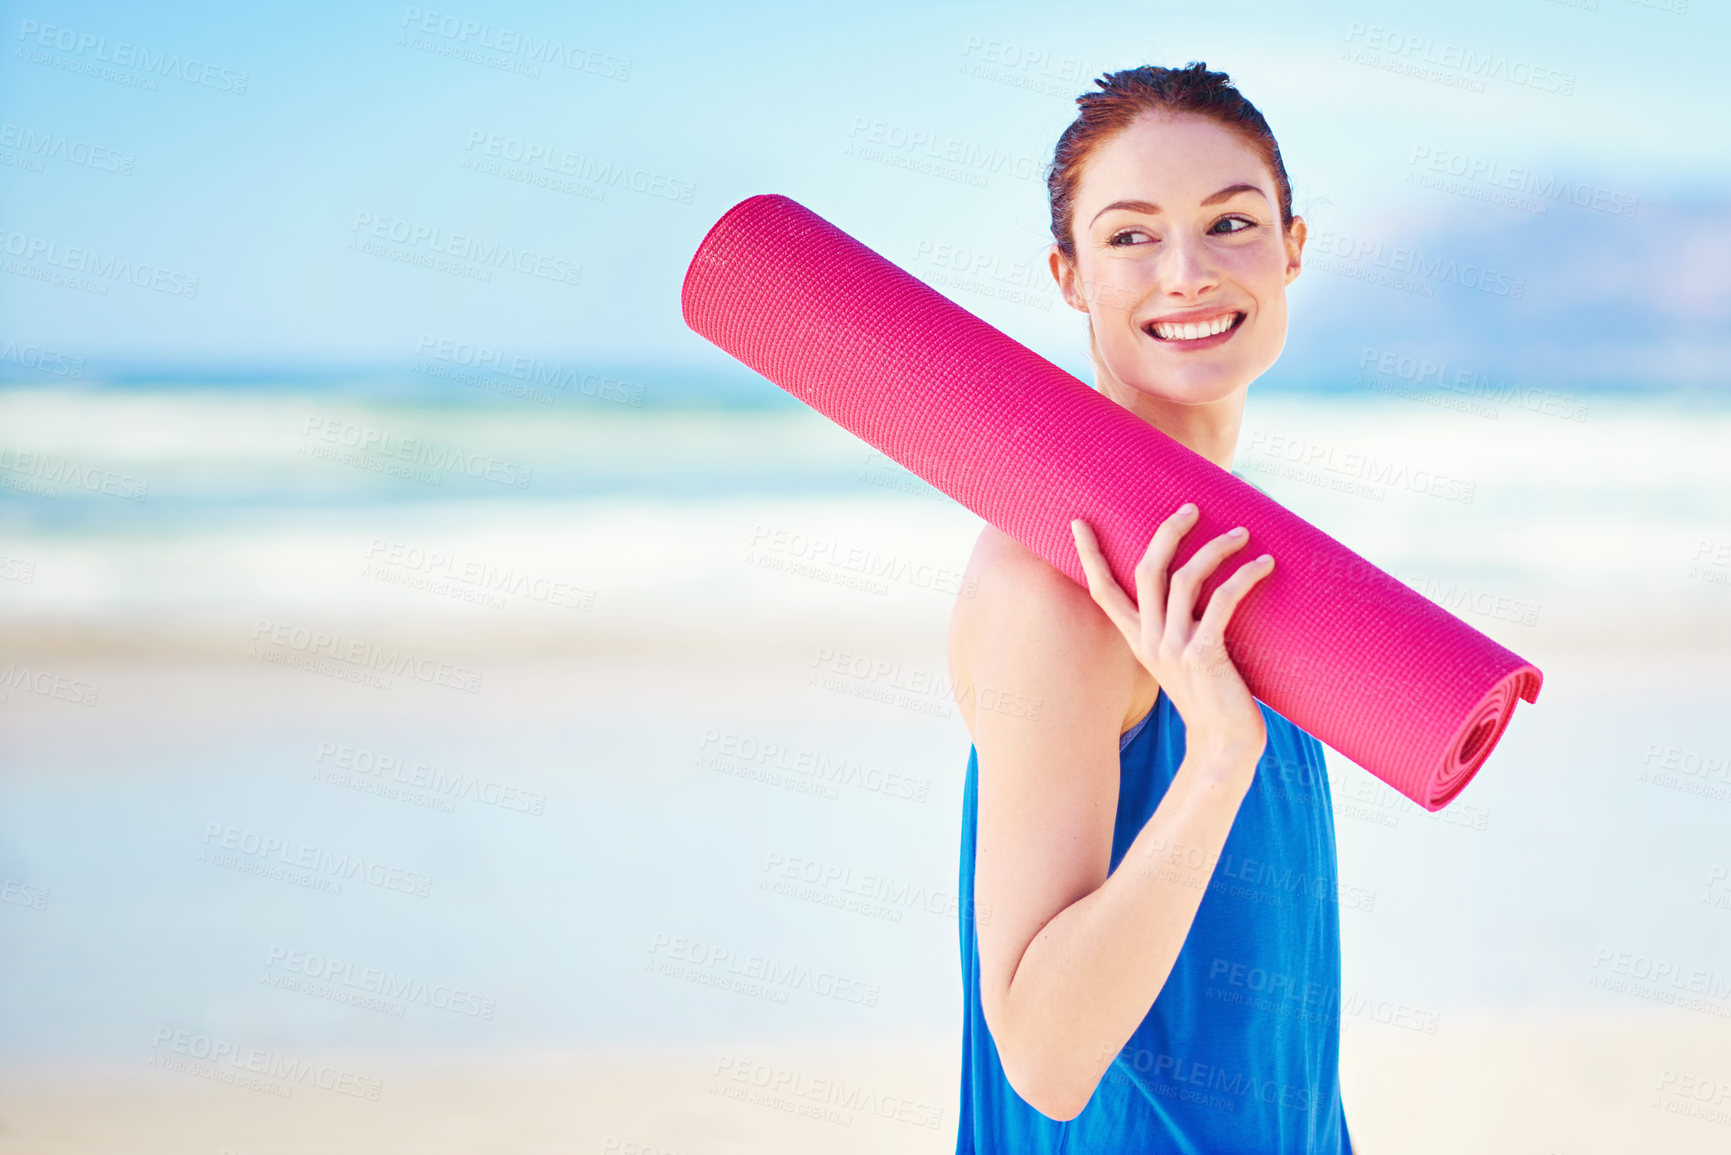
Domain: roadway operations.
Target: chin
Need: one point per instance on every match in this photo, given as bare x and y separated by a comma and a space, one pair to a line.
1191, 385
1202, 382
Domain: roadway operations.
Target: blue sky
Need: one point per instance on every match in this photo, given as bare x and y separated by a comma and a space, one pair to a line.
252, 149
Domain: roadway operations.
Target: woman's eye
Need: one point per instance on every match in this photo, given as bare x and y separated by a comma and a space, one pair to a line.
1242, 223
1118, 238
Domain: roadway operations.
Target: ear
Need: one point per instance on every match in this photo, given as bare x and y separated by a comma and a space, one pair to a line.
1295, 249
1064, 273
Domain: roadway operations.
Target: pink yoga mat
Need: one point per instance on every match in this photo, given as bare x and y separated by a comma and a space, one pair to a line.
1339, 647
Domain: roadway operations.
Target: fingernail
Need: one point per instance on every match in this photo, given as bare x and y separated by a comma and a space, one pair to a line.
1236, 532
1267, 557
1187, 508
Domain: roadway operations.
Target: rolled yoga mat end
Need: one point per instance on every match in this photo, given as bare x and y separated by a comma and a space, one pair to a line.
1341, 648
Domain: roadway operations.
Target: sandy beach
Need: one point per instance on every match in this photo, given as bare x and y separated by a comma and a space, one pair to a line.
265, 894
1486, 1006
1563, 1083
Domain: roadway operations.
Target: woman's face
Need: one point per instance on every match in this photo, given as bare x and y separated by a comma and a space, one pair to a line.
1181, 263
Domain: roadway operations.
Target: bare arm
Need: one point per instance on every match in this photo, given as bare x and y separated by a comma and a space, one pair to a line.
1073, 958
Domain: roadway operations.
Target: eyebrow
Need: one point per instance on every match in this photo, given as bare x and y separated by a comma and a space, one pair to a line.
1226, 193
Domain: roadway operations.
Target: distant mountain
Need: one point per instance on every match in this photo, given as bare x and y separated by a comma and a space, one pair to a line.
1551, 295
1567, 297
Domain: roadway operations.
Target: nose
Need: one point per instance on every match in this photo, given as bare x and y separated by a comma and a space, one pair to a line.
1186, 268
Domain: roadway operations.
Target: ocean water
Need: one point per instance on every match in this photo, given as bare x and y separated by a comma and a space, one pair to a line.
223, 503
626, 792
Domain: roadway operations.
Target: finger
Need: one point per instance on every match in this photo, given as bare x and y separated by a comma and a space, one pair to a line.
1102, 586
1187, 579
1211, 630
1151, 571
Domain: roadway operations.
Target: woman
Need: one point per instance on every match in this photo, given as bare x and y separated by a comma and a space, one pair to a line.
1159, 970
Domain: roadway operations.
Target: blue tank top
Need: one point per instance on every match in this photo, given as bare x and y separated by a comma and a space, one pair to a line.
1241, 1050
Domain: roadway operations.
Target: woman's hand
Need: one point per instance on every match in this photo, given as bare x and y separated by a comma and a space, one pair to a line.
1222, 723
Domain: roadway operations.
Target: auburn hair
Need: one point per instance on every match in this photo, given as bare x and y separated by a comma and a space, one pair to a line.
1134, 92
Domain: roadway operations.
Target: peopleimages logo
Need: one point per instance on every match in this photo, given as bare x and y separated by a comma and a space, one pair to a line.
1303, 460
781, 1085
515, 45
135, 57
362, 656
372, 767
868, 137
43, 360
40, 146
384, 446
253, 1065
717, 965
1423, 372
539, 376
316, 860
48, 684
42, 474
1415, 262
344, 977
1460, 64
441, 571
1544, 187
430, 241
105, 267
558, 161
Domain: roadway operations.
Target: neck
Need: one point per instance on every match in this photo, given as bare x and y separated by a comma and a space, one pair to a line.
1209, 428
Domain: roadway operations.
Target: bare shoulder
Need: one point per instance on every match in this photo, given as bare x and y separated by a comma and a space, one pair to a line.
1027, 625
1045, 683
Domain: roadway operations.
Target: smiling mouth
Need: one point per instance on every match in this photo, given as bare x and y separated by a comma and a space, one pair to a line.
1178, 331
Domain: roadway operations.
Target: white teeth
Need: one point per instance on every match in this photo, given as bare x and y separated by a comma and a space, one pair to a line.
1190, 332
